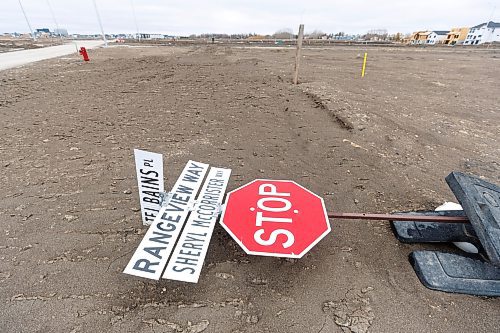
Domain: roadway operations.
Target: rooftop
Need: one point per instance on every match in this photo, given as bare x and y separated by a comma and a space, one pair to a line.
491, 24
440, 32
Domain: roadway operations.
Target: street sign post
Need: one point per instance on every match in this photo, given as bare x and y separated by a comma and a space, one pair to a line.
276, 218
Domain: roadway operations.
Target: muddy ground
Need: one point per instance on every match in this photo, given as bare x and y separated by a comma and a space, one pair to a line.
69, 203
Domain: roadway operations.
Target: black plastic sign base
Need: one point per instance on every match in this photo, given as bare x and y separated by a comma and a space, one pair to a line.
428, 232
466, 274
480, 201
456, 273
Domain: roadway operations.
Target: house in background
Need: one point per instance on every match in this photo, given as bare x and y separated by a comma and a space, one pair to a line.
419, 37
456, 36
483, 33
436, 37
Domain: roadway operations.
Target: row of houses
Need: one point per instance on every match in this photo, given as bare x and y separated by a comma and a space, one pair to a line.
482, 33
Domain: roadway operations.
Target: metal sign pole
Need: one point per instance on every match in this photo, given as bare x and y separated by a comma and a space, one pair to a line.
397, 217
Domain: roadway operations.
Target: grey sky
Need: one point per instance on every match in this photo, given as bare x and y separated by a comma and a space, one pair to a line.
258, 16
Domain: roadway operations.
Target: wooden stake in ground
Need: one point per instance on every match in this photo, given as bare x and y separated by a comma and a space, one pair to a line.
297, 54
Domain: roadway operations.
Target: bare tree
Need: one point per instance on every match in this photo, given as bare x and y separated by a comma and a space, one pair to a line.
316, 34
376, 35
285, 33
398, 37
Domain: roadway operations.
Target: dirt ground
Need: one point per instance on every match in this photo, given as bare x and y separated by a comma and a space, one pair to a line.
11, 44
69, 206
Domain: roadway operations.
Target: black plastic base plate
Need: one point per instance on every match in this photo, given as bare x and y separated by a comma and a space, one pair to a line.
455, 273
428, 232
481, 202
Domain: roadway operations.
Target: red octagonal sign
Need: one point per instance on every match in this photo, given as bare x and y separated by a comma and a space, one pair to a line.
276, 218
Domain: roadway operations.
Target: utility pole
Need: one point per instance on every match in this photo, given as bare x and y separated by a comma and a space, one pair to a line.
135, 20
27, 21
54, 18
100, 24
488, 23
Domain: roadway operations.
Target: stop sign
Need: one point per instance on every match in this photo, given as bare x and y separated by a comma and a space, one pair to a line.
276, 218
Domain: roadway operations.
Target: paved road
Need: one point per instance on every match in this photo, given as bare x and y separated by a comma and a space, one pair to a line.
19, 58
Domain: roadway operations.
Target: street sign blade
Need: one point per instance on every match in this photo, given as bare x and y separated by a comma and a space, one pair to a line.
189, 254
149, 170
155, 248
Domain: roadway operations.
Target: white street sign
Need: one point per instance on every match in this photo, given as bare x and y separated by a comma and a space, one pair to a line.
155, 248
149, 169
188, 256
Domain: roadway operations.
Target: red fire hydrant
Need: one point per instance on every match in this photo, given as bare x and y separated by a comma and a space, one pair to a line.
83, 52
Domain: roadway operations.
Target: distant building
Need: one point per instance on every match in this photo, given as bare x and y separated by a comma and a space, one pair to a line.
256, 37
61, 32
149, 36
436, 37
483, 33
419, 37
456, 36
42, 33
343, 37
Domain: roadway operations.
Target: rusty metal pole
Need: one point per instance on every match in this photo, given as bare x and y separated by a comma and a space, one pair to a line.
397, 217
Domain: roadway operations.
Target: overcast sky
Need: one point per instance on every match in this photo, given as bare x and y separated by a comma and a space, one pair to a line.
242, 16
